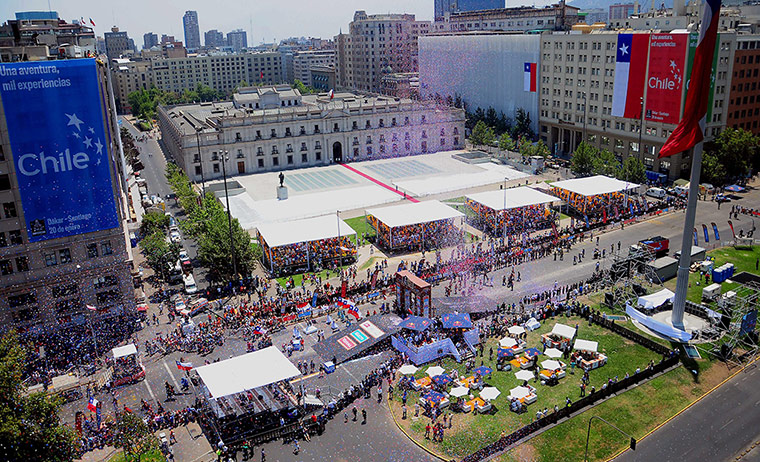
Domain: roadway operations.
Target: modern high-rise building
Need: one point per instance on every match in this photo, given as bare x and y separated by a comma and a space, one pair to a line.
237, 40
213, 39
150, 40
192, 30
556, 17
451, 6
65, 262
377, 45
117, 44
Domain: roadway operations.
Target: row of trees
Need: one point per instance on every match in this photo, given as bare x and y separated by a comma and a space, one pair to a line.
730, 156
160, 253
589, 160
500, 124
207, 223
145, 102
483, 135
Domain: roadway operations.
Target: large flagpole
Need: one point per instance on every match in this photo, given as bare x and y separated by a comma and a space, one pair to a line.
682, 281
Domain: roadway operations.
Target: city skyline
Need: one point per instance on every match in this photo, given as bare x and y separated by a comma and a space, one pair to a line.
278, 21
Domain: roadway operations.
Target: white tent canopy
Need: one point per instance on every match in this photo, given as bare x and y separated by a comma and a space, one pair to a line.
519, 392
246, 372
407, 369
656, 299
435, 370
516, 198
459, 391
586, 345
412, 214
553, 353
126, 350
490, 393
306, 230
516, 330
563, 331
551, 364
507, 342
594, 185
524, 374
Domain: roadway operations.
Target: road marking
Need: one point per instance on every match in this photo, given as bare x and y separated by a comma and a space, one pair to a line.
150, 390
176, 384
726, 424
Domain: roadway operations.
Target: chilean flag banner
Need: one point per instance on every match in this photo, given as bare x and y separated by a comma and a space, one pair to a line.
184, 366
530, 77
630, 73
258, 330
691, 129
352, 311
92, 405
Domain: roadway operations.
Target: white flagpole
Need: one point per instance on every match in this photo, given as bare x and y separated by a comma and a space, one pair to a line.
682, 282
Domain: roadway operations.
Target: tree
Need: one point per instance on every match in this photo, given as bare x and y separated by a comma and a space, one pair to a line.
633, 171
492, 120
506, 143
737, 151
713, 171
30, 428
582, 163
301, 87
522, 124
482, 134
541, 150
153, 222
133, 436
605, 163
214, 248
159, 253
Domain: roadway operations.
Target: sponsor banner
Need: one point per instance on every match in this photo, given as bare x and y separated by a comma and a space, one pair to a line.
665, 79
372, 329
346, 342
54, 113
359, 336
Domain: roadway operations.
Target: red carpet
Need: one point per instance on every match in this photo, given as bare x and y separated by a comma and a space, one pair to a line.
380, 183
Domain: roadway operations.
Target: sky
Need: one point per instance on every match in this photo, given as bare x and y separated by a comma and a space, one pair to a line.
269, 19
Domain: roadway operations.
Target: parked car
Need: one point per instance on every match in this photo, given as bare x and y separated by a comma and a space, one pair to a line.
174, 236
722, 198
656, 192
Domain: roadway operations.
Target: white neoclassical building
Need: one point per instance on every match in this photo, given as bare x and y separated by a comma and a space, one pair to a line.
276, 128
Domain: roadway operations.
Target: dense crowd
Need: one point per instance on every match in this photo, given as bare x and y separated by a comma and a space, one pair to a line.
323, 253
513, 221
430, 235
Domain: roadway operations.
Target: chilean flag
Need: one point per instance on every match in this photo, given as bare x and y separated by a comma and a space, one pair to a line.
530, 77
258, 330
691, 129
184, 366
92, 405
352, 311
332, 94
630, 74
92, 22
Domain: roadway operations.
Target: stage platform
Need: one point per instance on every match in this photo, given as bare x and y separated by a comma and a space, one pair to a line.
356, 339
476, 305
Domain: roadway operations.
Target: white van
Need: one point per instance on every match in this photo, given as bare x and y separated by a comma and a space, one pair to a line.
190, 287
656, 192
682, 190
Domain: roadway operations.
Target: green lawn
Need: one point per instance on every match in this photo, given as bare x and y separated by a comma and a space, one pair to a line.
743, 260
151, 456
297, 278
360, 225
475, 431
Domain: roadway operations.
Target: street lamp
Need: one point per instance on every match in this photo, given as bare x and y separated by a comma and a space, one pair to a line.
585, 112
200, 159
225, 158
641, 123
588, 435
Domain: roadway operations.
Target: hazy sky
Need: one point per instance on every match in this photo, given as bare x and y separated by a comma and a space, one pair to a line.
269, 19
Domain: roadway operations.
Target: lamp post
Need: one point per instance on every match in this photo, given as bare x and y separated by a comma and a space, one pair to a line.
641, 124
200, 159
588, 435
225, 158
585, 112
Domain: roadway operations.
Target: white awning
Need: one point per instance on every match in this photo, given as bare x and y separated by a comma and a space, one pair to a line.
412, 214
515, 198
656, 299
126, 350
563, 331
306, 230
594, 185
586, 345
246, 372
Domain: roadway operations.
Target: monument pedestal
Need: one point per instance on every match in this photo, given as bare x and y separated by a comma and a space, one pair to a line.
282, 193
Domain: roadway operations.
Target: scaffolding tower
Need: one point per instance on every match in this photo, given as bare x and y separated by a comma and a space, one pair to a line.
738, 308
627, 273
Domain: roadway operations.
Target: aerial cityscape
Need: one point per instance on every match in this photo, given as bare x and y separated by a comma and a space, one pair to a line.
473, 231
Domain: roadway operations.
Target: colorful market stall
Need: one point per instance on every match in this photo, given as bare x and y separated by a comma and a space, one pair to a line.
587, 356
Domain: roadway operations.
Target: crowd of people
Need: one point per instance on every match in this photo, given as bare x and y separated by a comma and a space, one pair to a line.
513, 221
430, 235
323, 253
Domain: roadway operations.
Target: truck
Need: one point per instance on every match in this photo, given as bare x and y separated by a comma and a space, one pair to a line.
658, 245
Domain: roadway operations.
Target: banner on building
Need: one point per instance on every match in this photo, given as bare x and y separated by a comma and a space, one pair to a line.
54, 113
665, 79
630, 72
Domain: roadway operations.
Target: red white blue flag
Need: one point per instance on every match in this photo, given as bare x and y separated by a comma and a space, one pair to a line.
258, 330
92, 405
630, 73
530, 77
184, 366
691, 129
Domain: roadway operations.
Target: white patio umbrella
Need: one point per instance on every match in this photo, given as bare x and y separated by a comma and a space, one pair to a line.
407, 369
515, 330
519, 392
507, 342
459, 391
551, 364
524, 375
435, 370
553, 353
490, 393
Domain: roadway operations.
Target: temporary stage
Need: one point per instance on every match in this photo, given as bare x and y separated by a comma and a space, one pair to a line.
414, 224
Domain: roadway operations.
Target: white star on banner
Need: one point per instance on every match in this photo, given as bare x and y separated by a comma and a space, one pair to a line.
87, 141
99, 145
74, 120
624, 49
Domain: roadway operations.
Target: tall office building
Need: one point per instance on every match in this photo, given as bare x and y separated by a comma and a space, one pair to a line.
377, 45
150, 40
64, 257
442, 7
621, 10
192, 31
237, 40
303, 61
213, 39
117, 43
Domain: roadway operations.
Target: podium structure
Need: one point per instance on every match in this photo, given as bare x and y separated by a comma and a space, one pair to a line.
413, 295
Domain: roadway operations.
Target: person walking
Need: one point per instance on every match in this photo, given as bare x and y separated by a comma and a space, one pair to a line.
364, 416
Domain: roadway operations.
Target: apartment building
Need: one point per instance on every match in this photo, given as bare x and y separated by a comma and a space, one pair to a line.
304, 61
521, 19
192, 30
744, 98
376, 45
277, 128
441, 7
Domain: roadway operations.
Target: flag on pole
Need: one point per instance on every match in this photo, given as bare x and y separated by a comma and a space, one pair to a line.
715, 230
92, 405
184, 366
258, 330
731, 225
332, 94
352, 311
691, 129
530, 77
262, 75
92, 22
707, 235
91, 308
696, 242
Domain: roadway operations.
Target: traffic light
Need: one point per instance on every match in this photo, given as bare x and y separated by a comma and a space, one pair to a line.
633, 444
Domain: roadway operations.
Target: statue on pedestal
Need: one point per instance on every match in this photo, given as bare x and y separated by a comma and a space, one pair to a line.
282, 179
